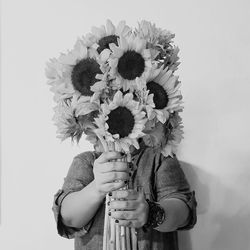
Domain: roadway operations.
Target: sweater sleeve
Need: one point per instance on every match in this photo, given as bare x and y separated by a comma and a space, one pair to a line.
172, 183
79, 175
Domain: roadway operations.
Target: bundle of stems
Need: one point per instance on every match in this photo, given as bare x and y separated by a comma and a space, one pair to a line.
117, 237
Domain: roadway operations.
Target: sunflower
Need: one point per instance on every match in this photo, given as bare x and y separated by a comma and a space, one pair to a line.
57, 75
116, 85
75, 72
121, 122
164, 137
66, 122
171, 58
154, 134
175, 135
167, 96
109, 34
129, 60
148, 31
161, 44
73, 117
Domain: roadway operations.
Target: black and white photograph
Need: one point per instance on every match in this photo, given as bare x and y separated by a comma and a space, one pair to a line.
124, 125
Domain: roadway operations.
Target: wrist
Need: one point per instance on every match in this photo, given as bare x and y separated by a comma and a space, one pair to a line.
97, 194
156, 215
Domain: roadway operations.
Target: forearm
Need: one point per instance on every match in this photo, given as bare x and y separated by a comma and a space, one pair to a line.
78, 208
176, 212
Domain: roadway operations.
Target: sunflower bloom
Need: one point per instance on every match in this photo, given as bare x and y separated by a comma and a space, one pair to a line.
129, 60
73, 116
109, 34
75, 72
175, 136
161, 43
167, 96
121, 122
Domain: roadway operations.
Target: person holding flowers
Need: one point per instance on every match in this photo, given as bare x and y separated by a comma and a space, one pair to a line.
117, 87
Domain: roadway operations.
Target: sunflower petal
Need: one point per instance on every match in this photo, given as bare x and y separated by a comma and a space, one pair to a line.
110, 27
118, 97
105, 54
98, 86
98, 32
123, 43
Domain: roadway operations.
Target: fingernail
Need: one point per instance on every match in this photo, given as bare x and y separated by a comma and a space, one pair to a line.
110, 193
109, 213
116, 221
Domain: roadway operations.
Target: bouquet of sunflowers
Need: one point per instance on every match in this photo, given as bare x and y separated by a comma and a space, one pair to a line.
115, 86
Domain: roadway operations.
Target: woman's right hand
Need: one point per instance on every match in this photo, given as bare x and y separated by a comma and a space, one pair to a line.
110, 174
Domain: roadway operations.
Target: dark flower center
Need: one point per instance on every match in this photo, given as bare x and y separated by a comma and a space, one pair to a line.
83, 75
105, 41
160, 95
120, 121
131, 65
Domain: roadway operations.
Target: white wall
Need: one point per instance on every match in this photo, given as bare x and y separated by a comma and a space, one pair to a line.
214, 38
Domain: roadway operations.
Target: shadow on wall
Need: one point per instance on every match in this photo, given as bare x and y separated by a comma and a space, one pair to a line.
234, 232
227, 228
196, 178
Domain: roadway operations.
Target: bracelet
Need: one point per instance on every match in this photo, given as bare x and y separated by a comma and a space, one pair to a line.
156, 215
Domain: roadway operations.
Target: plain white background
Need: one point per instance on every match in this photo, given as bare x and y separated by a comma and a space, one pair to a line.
214, 38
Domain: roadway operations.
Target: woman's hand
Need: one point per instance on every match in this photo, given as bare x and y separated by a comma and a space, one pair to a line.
110, 174
131, 211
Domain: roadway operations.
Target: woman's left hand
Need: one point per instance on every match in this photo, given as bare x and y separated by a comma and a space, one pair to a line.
131, 210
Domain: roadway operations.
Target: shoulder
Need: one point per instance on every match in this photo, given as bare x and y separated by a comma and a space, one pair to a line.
169, 161
83, 161
80, 173
170, 169
160, 160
